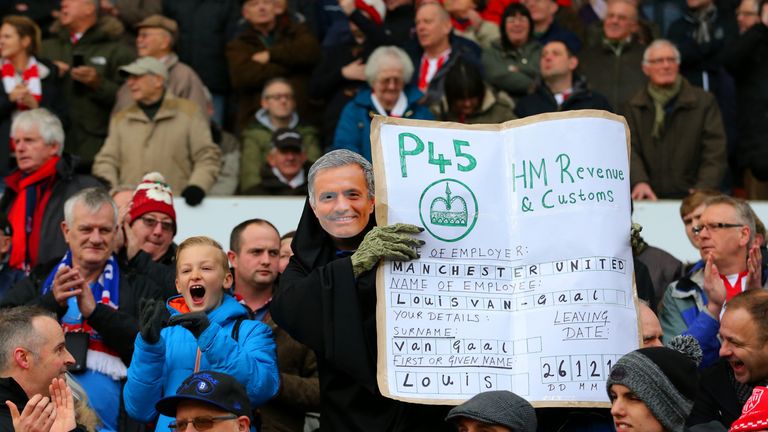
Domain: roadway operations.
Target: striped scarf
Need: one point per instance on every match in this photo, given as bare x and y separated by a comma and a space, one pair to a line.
106, 290
30, 77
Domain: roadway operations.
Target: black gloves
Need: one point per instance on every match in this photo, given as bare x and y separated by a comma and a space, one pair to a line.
193, 195
153, 316
195, 322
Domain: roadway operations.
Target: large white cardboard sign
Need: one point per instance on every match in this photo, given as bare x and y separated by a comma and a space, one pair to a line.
525, 280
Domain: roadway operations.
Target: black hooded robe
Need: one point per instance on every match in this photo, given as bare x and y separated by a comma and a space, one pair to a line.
322, 305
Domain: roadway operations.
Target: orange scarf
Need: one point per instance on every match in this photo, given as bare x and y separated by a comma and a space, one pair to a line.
25, 249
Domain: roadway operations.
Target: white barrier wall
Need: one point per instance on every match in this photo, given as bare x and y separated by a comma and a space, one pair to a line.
216, 216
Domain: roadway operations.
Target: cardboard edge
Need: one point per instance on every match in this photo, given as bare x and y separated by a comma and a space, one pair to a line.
381, 218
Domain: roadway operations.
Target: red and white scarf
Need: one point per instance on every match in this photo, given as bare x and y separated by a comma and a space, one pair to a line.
429, 67
30, 77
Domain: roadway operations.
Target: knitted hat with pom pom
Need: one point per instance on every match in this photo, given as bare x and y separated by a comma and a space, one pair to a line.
153, 195
665, 379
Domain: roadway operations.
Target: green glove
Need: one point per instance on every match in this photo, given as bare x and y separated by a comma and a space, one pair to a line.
635, 238
395, 242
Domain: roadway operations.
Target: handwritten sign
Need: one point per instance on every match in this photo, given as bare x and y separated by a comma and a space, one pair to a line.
525, 280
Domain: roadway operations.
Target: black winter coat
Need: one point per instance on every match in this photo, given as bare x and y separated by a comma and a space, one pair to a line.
321, 304
205, 27
747, 60
460, 48
543, 101
717, 398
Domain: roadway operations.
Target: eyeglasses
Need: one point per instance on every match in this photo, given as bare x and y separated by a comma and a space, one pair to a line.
278, 96
151, 223
746, 13
713, 227
661, 60
200, 423
517, 18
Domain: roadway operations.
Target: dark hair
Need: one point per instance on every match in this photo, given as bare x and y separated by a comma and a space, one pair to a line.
288, 235
236, 237
755, 302
463, 81
25, 27
512, 10
569, 50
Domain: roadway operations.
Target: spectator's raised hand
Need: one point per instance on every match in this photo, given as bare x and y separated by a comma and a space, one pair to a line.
643, 191
395, 242
261, 57
38, 415
193, 195
153, 316
714, 288
64, 404
347, 6
86, 75
63, 67
354, 71
67, 282
85, 300
755, 268
195, 322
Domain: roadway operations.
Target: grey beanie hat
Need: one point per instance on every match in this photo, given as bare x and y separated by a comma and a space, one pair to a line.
498, 407
663, 378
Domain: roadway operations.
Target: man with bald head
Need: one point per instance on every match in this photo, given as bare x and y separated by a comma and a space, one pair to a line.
612, 66
436, 49
650, 327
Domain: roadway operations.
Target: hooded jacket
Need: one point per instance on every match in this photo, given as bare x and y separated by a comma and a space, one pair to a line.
157, 370
321, 304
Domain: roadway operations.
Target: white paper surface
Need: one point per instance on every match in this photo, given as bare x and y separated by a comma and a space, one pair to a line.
525, 280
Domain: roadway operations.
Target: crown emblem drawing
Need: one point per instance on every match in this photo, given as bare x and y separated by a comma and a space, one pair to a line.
448, 211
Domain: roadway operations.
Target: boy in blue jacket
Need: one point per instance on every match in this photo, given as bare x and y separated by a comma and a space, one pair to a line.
207, 330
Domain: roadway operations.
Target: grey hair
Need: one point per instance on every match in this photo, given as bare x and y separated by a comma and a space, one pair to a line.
658, 43
744, 213
93, 199
16, 330
336, 159
48, 126
384, 56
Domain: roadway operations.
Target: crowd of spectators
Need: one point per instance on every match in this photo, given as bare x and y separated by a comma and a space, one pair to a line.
110, 107
688, 76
